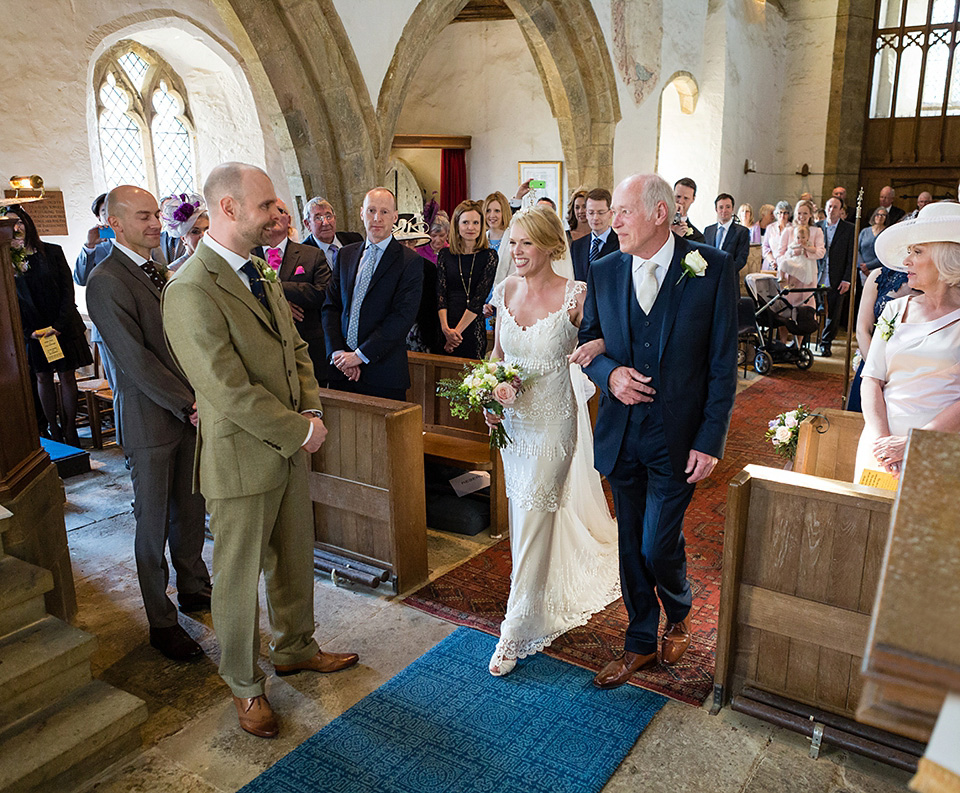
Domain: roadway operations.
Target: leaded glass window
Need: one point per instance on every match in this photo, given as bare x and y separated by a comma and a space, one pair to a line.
915, 69
146, 133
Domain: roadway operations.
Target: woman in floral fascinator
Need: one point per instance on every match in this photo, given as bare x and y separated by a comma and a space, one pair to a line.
185, 216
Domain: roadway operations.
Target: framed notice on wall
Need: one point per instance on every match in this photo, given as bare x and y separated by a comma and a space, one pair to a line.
548, 172
47, 214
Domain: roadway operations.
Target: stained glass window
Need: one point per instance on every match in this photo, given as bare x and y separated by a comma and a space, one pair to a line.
146, 136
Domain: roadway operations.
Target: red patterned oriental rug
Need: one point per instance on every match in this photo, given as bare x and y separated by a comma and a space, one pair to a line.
475, 593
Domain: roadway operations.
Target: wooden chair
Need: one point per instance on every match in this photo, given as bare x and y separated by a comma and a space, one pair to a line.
98, 402
754, 265
367, 486
450, 440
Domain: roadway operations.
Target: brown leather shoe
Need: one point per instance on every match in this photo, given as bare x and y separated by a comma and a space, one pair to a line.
256, 716
618, 672
676, 640
321, 662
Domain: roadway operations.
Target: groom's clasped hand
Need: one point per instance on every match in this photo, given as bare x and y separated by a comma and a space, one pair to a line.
630, 387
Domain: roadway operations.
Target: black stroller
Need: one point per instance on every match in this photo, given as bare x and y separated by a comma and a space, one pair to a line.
773, 311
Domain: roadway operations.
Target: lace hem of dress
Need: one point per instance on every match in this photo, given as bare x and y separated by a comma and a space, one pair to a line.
543, 448
524, 647
534, 496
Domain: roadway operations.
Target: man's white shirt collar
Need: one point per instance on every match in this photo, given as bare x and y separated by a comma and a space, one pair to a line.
602, 237
282, 246
136, 258
663, 258
235, 260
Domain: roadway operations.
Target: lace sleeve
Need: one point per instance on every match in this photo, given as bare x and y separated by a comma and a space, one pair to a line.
441, 281
574, 288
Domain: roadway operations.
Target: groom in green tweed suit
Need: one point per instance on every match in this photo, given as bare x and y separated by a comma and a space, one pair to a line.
231, 332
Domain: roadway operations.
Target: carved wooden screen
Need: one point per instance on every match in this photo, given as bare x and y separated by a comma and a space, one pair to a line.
912, 135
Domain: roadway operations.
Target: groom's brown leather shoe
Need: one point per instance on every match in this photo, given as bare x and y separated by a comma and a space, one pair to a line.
256, 716
618, 672
321, 662
676, 640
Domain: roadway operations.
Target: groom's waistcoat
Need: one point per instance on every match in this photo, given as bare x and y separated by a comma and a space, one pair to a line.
645, 330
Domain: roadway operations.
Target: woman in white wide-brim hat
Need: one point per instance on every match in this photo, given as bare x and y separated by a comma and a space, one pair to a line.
912, 375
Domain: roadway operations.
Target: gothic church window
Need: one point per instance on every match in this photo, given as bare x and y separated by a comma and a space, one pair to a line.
915, 69
143, 118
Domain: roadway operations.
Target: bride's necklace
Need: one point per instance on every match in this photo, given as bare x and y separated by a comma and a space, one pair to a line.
468, 283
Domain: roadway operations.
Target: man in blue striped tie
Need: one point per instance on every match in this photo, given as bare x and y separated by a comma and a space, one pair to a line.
601, 240
371, 304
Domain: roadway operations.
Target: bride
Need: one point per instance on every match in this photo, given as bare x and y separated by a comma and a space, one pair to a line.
562, 539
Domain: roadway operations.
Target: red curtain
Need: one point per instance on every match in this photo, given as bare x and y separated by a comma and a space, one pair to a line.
453, 179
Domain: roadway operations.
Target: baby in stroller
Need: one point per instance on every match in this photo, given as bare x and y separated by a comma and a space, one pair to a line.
797, 270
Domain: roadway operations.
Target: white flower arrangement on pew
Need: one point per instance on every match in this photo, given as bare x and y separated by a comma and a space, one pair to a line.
784, 431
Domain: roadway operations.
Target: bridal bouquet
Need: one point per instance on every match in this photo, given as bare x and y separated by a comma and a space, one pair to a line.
487, 385
784, 431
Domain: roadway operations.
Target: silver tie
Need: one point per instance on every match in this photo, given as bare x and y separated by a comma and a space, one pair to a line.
647, 290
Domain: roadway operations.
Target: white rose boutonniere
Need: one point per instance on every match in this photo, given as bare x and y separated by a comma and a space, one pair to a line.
886, 327
267, 273
694, 266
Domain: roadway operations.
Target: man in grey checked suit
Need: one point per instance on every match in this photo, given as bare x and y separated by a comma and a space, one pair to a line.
158, 419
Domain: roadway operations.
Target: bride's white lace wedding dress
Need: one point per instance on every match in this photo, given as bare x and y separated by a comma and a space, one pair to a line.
562, 539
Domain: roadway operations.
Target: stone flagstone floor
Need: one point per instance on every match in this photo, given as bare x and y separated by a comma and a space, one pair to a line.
191, 742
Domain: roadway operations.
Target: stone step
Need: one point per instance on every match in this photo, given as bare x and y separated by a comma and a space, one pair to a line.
22, 586
66, 744
40, 664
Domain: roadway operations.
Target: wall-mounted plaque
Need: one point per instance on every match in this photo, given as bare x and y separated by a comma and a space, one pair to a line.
48, 213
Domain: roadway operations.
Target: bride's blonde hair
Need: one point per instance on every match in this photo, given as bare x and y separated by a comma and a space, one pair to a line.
544, 228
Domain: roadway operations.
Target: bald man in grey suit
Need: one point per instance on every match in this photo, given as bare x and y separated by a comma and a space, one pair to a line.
158, 418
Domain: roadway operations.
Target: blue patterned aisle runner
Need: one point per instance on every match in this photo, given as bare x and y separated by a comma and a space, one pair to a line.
446, 725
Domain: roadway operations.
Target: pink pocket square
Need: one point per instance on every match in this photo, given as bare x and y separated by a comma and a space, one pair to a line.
300, 271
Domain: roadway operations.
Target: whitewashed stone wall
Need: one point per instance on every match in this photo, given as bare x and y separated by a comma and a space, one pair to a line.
763, 75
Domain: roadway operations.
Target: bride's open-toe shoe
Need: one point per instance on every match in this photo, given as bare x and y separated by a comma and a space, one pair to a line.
500, 665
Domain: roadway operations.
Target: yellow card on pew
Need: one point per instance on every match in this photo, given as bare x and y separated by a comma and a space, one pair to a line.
880, 479
50, 346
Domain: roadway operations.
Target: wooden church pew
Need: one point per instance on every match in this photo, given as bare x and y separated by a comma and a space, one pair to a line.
367, 486
462, 443
801, 562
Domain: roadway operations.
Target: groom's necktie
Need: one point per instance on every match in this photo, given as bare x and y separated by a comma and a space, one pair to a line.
719, 240
256, 283
595, 249
647, 288
360, 291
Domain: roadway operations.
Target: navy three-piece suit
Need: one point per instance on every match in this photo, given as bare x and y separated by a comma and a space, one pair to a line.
687, 344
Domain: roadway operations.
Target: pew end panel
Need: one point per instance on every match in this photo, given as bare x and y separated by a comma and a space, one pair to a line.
367, 485
801, 562
827, 444
913, 660
462, 443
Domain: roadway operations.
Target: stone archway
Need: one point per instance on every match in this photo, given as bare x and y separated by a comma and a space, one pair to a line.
568, 47
342, 144
323, 102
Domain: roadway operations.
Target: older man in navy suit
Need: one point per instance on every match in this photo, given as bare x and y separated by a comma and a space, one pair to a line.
372, 302
666, 309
